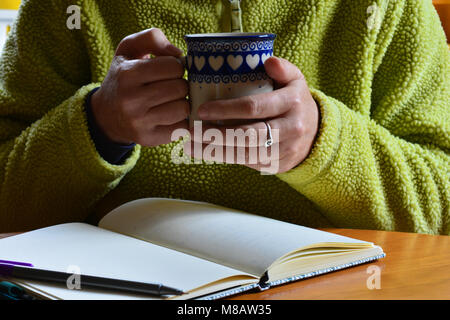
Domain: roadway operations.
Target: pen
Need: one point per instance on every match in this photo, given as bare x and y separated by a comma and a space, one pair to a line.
18, 270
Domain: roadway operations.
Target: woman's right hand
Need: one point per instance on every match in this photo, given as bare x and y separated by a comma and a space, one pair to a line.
143, 100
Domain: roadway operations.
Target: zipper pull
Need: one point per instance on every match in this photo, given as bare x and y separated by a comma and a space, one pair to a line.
236, 16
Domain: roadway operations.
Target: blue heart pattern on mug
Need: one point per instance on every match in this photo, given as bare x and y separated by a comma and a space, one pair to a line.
228, 60
232, 61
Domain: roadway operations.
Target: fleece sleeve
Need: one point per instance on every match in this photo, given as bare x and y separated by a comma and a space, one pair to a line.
386, 165
111, 151
50, 170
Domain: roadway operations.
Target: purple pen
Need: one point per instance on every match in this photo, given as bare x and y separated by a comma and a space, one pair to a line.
15, 263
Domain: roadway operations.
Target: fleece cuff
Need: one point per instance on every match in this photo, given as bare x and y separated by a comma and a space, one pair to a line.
325, 147
83, 147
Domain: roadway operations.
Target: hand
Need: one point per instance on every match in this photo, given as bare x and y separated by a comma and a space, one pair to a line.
143, 100
290, 111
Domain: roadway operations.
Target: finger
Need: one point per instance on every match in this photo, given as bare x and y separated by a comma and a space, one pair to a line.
160, 134
282, 71
144, 71
153, 40
248, 135
232, 155
277, 158
161, 92
168, 113
260, 106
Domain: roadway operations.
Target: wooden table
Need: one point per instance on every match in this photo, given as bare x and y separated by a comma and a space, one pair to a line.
416, 266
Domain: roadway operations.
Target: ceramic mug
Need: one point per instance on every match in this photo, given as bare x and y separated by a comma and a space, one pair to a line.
227, 65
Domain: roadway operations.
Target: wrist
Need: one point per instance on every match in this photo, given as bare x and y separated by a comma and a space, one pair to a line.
109, 150
102, 119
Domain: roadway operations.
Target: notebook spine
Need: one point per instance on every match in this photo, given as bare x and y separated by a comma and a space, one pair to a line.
230, 292
327, 270
264, 285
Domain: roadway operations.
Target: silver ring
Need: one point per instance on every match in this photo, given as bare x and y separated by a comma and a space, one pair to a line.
269, 140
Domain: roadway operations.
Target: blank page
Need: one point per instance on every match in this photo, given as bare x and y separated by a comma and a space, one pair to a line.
242, 241
103, 253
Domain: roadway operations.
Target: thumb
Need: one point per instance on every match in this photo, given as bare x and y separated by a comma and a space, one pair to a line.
152, 41
281, 70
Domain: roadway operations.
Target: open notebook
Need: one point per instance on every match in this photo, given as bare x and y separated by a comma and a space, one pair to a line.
207, 251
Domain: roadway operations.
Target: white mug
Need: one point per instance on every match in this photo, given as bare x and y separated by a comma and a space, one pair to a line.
227, 65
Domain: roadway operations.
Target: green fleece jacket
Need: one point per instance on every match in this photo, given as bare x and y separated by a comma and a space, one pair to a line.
378, 69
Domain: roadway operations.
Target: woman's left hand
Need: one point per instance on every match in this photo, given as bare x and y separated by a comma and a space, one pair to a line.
290, 110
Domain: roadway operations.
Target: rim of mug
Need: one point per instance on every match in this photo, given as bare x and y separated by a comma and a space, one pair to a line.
230, 35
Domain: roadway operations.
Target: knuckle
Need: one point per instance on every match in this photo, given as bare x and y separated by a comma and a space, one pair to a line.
117, 61
252, 107
295, 98
154, 33
301, 76
124, 72
298, 128
125, 40
296, 101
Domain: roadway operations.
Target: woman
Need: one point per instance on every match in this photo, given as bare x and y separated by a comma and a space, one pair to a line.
362, 105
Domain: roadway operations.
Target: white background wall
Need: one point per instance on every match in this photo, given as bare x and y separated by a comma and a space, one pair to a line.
6, 20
